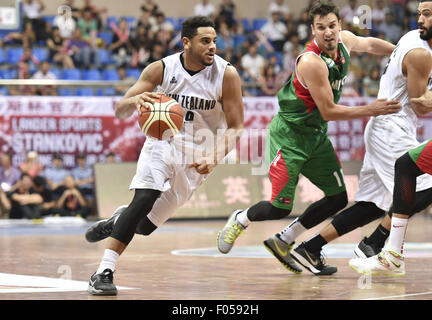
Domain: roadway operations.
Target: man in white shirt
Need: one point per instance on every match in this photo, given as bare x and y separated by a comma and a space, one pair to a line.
44, 73
32, 8
278, 6
275, 30
349, 11
65, 23
204, 8
253, 63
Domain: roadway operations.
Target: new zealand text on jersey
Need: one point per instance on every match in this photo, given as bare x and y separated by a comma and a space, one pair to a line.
193, 103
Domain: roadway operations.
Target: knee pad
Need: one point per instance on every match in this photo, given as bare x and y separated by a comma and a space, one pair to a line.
264, 210
145, 227
356, 216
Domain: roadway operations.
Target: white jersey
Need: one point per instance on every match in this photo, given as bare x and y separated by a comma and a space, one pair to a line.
388, 137
200, 96
393, 84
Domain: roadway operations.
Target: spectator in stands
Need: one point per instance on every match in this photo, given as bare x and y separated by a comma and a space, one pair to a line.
98, 13
227, 12
81, 51
146, 20
253, 63
303, 27
411, 7
204, 8
32, 11
58, 51
76, 12
45, 73
40, 187
65, 22
110, 157
371, 83
281, 8
379, 12
141, 45
23, 73
267, 82
390, 29
5, 204
83, 175
31, 165
88, 25
25, 202
121, 89
163, 25
225, 39
55, 175
26, 38
9, 175
398, 10
348, 12
121, 46
275, 31
30, 58
151, 7
71, 201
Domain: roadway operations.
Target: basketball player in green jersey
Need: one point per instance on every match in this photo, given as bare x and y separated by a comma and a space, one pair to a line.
297, 142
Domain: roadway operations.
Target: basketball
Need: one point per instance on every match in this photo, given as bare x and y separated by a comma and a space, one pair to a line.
161, 120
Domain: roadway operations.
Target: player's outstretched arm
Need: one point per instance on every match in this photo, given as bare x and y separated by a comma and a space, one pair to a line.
417, 65
314, 74
141, 91
366, 44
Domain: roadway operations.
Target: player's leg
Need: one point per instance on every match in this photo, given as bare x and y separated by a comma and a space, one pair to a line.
324, 170
284, 163
407, 168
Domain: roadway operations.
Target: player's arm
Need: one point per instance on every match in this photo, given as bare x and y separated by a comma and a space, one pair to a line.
366, 44
417, 65
141, 91
314, 74
232, 102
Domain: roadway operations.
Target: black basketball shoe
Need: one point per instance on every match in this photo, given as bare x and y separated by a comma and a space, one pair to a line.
103, 228
102, 284
315, 263
364, 250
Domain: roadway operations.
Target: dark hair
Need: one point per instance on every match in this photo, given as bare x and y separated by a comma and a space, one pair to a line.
39, 181
190, 25
323, 8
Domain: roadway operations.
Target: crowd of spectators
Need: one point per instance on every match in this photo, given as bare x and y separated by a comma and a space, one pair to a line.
31, 191
89, 37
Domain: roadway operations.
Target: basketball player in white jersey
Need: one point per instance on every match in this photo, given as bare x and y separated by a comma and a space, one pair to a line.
387, 138
209, 90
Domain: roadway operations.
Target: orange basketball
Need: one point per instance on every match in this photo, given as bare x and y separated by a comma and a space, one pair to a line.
162, 120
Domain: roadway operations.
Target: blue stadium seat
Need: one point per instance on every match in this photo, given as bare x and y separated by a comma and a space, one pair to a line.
106, 92
40, 53
4, 91
105, 56
109, 19
106, 36
178, 26
257, 24
50, 19
65, 92
13, 55
71, 74
246, 25
56, 72
110, 74
92, 74
172, 21
131, 21
2, 56
84, 92
8, 74
133, 73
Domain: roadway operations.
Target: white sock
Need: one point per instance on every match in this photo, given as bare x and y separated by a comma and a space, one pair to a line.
290, 233
243, 219
108, 261
397, 234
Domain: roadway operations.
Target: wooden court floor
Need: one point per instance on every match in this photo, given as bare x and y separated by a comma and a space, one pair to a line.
180, 261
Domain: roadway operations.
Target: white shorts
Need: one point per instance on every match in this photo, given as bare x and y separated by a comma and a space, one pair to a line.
386, 140
158, 170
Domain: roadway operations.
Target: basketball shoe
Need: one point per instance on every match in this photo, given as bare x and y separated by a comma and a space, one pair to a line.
103, 228
229, 233
281, 250
364, 250
314, 262
102, 284
385, 263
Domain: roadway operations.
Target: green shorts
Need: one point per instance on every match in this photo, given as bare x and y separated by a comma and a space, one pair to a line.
292, 150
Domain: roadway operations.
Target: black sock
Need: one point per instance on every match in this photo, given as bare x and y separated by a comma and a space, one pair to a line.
378, 237
315, 244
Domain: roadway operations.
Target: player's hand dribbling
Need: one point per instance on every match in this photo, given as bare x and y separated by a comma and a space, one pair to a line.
145, 97
382, 106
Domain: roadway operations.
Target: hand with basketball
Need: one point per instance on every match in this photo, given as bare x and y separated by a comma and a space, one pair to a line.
159, 116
